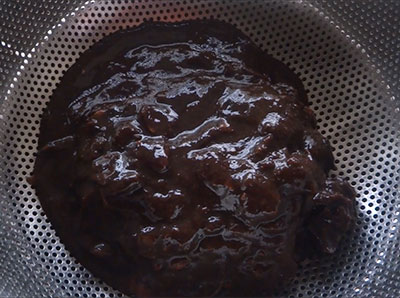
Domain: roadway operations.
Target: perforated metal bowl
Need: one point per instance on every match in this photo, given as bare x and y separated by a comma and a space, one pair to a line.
346, 52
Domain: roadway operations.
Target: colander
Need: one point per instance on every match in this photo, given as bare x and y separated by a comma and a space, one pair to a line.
346, 52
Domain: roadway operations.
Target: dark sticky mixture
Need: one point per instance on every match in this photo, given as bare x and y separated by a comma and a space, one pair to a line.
181, 160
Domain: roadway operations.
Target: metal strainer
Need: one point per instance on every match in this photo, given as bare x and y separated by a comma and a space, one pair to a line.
346, 52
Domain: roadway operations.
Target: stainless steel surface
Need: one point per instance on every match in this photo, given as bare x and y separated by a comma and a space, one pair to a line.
346, 52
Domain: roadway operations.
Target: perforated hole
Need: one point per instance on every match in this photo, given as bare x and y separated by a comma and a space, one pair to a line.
355, 110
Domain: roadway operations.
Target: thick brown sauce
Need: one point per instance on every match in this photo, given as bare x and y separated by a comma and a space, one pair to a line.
180, 159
